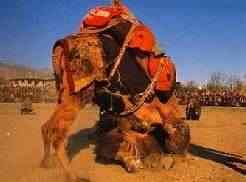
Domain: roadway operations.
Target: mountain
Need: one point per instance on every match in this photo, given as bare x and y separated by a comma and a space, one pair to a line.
13, 71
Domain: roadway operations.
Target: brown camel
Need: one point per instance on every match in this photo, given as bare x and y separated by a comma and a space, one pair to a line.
79, 62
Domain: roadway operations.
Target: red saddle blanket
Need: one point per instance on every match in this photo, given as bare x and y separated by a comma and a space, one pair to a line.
168, 75
101, 16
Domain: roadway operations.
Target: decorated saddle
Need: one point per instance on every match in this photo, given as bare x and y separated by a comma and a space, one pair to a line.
87, 55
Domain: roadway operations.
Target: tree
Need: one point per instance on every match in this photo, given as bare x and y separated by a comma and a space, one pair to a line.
217, 81
234, 83
191, 86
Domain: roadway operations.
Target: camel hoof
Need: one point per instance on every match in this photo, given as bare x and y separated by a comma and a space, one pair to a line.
73, 178
133, 166
167, 162
50, 162
79, 179
158, 161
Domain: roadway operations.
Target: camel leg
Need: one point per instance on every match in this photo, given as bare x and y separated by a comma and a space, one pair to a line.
55, 130
169, 116
178, 139
47, 147
48, 139
168, 111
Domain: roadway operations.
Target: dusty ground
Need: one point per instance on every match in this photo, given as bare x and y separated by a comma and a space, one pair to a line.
218, 150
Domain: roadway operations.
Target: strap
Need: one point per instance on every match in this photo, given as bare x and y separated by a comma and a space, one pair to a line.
147, 92
122, 51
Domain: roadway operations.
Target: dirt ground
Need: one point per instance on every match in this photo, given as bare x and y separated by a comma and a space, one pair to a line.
217, 153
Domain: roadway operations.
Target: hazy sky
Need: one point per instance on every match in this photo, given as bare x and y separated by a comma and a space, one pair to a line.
202, 36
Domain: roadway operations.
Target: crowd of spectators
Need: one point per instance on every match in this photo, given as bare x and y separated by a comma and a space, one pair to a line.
206, 98
213, 98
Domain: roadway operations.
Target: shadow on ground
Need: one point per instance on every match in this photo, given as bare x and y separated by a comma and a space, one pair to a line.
232, 161
79, 141
83, 138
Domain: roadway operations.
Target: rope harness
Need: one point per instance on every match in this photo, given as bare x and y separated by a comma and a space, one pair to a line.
149, 90
122, 51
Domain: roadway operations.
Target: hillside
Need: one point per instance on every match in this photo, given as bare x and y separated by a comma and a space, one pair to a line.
12, 71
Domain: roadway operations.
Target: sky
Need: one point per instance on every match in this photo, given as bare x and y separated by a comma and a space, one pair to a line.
202, 36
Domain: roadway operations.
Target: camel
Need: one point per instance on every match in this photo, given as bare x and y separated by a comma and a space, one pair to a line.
82, 62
